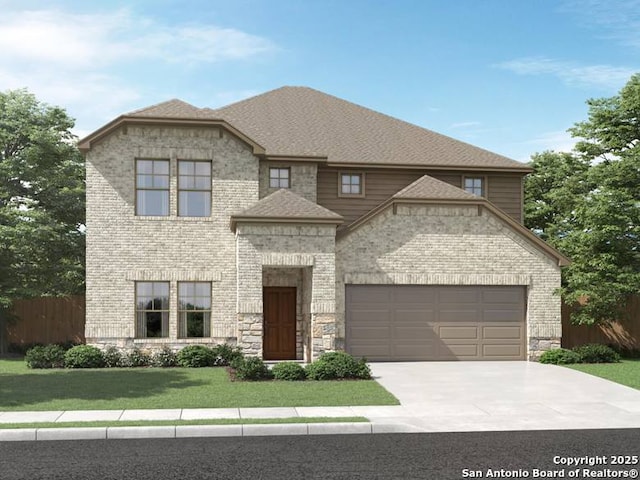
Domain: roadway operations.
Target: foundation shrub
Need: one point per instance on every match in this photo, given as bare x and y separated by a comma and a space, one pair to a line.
84, 356
597, 353
290, 371
45, 356
196, 356
559, 356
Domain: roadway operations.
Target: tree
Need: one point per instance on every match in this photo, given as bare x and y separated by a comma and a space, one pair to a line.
42, 210
594, 215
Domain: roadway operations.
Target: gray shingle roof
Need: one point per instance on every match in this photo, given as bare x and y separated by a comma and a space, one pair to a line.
174, 108
286, 204
429, 188
300, 121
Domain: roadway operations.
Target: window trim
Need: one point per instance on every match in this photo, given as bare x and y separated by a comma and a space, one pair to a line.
181, 311
136, 311
178, 189
137, 189
362, 184
484, 186
276, 167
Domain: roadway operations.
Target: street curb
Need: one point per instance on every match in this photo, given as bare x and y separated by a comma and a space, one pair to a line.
191, 431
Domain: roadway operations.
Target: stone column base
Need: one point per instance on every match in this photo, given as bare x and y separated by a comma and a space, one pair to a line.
250, 333
539, 345
323, 333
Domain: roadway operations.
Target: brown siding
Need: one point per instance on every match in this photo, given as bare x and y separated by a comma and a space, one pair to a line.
623, 333
48, 320
505, 191
380, 184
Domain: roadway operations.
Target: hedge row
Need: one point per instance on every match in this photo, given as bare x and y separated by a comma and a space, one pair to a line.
590, 353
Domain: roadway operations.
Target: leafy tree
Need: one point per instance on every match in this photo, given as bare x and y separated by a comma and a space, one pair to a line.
593, 216
42, 210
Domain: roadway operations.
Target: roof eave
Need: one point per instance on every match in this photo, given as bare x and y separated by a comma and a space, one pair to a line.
235, 219
86, 143
412, 166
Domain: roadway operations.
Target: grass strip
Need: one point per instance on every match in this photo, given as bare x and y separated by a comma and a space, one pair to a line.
626, 372
160, 423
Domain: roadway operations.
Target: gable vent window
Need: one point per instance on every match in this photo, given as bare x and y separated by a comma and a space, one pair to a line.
279, 177
474, 185
152, 187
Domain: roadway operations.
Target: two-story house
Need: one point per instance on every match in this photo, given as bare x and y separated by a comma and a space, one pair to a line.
294, 222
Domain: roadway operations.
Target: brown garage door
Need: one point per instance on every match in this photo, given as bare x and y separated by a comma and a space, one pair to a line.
416, 322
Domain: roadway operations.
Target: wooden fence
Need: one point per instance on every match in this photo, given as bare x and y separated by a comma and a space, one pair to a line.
624, 333
47, 320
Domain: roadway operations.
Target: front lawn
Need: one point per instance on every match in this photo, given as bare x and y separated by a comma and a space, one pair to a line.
131, 388
626, 372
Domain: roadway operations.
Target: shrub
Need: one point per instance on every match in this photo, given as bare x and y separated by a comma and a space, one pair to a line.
165, 358
596, 353
338, 365
113, 357
84, 356
560, 356
137, 358
45, 356
196, 356
251, 368
225, 354
290, 371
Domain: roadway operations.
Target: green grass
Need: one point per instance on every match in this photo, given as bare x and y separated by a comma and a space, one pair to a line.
626, 372
120, 388
155, 423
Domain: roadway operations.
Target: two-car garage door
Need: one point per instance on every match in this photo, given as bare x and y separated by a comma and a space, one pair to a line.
419, 322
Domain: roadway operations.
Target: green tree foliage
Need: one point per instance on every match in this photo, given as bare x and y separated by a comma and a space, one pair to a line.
587, 204
42, 210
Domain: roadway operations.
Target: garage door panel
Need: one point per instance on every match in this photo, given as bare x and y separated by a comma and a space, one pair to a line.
500, 333
436, 322
453, 333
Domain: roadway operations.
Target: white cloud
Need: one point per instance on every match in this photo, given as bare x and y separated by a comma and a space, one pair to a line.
571, 73
87, 40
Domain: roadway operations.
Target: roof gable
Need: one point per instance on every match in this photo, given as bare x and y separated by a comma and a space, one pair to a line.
429, 188
174, 108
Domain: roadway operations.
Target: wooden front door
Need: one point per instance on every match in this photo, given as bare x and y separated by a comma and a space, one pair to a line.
279, 306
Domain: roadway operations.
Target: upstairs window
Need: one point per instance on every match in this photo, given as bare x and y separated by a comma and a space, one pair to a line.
279, 177
194, 309
351, 185
194, 188
474, 185
152, 187
152, 309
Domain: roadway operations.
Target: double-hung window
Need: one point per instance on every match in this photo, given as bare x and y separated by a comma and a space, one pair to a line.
194, 309
152, 187
194, 188
152, 309
351, 185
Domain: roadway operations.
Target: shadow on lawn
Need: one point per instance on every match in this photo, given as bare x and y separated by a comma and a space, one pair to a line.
29, 389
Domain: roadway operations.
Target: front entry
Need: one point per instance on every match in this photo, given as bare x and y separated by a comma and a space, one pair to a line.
279, 307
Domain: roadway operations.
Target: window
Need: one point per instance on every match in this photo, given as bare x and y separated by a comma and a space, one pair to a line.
279, 177
194, 309
152, 187
152, 309
351, 184
194, 187
474, 185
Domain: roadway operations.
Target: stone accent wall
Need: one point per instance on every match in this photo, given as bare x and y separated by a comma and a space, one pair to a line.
265, 247
303, 178
123, 248
451, 245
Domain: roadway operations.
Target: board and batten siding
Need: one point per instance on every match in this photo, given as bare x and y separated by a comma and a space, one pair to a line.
505, 191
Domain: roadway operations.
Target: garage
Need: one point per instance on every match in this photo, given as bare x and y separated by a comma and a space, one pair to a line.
436, 322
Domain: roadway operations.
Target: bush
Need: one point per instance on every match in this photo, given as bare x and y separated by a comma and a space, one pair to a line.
45, 356
113, 357
338, 365
290, 371
596, 353
196, 356
251, 368
559, 356
84, 356
226, 354
137, 358
165, 358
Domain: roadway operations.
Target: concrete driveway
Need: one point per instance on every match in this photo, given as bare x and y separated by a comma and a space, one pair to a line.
472, 396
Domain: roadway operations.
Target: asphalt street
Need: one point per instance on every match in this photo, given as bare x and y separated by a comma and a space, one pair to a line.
439, 456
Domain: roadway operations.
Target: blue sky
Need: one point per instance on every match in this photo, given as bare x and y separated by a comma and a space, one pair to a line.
507, 75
